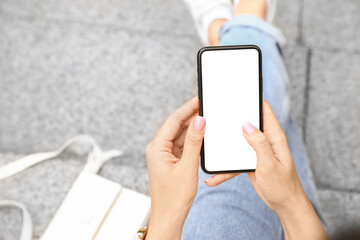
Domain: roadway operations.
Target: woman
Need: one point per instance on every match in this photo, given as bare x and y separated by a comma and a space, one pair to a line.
276, 201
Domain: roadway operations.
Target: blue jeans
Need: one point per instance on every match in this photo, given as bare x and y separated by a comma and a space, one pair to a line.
233, 210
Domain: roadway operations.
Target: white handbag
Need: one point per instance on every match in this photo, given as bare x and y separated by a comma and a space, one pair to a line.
95, 208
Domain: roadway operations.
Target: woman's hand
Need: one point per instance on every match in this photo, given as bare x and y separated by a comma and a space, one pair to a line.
173, 162
276, 180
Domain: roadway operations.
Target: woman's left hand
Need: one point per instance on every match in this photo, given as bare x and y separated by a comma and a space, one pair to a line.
173, 162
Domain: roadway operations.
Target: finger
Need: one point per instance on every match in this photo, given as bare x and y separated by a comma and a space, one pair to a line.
260, 144
177, 152
180, 138
193, 141
219, 178
252, 178
178, 143
175, 121
274, 133
187, 123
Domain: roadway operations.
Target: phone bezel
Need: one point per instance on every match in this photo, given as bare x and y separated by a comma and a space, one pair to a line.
232, 47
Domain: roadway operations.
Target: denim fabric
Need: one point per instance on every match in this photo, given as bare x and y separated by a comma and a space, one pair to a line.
233, 210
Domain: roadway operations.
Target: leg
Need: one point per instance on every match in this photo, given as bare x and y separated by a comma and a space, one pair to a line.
233, 210
246, 29
275, 88
214, 30
250, 7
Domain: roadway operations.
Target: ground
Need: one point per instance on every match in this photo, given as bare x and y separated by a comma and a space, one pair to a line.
115, 69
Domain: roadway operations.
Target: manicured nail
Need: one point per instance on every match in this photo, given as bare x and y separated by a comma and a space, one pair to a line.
199, 123
248, 128
208, 179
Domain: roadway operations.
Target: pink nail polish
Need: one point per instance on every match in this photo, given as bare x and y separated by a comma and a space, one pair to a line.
248, 128
199, 123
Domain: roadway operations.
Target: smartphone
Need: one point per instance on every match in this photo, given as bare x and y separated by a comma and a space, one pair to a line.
230, 94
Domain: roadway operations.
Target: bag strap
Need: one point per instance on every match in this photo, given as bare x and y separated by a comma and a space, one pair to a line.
95, 160
26, 231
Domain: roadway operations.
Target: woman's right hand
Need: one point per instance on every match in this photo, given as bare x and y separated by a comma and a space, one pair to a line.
276, 180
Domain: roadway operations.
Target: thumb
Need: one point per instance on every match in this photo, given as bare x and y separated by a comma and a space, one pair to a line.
260, 144
193, 141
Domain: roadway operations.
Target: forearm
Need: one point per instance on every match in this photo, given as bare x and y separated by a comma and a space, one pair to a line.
300, 221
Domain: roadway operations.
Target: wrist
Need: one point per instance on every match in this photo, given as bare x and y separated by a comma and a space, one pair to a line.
294, 204
165, 225
299, 219
295, 199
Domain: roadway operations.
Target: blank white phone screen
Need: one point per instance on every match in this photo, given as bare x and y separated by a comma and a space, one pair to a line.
230, 95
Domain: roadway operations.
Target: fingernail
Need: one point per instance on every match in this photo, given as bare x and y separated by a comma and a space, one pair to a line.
208, 179
199, 123
248, 128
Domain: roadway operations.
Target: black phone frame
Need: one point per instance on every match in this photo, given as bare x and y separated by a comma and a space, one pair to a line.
230, 47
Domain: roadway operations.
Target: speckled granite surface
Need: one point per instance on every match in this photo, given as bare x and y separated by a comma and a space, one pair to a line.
115, 69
